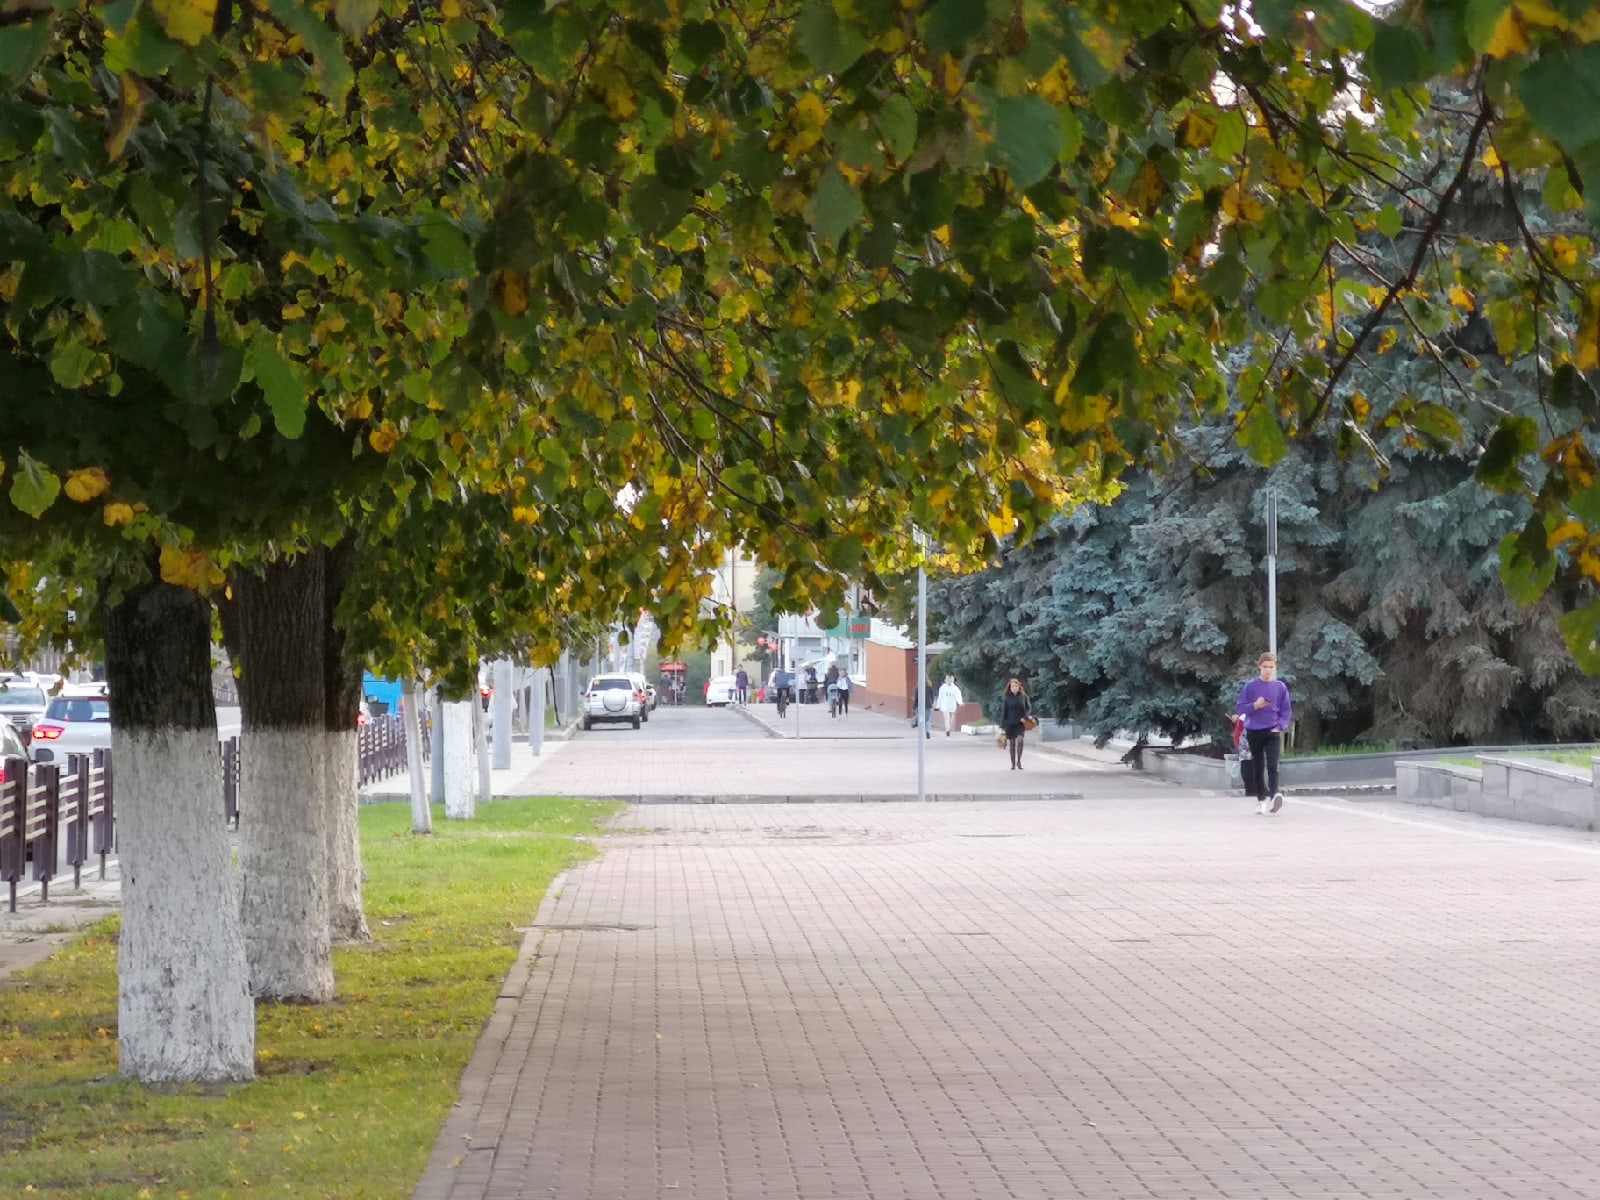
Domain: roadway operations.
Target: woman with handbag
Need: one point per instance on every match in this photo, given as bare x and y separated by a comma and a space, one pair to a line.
1016, 717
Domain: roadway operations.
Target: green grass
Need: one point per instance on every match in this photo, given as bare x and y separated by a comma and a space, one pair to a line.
349, 1096
1336, 751
1582, 759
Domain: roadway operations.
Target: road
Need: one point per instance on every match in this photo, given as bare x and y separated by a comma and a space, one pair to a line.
692, 722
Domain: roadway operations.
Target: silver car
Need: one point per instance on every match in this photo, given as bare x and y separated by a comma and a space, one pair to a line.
22, 702
613, 698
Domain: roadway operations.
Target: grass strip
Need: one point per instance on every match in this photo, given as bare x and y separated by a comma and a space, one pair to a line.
350, 1095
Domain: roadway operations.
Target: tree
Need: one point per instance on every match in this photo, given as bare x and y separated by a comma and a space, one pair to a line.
767, 271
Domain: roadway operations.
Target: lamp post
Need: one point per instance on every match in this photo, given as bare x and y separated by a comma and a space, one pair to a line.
1272, 572
921, 683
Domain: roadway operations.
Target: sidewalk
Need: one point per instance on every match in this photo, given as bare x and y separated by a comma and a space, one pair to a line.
1158, 995
516, 780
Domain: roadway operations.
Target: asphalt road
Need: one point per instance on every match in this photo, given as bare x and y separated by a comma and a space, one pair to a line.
692, 722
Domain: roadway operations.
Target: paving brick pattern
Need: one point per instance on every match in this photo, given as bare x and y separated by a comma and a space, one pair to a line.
1144, 994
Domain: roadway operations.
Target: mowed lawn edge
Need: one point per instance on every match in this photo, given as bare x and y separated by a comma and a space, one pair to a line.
349, 1097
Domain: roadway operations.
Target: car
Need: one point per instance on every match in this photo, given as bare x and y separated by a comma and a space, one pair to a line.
22, 702
11, 746
640, 684
78, 721
613, 698
722, 690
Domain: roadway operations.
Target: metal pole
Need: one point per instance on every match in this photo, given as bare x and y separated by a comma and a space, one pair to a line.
1272, 572
501, 701
922, 676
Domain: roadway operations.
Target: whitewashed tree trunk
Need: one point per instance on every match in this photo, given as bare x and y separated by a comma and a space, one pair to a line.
184, 1011
460, 790
283, 830
283, 857
480, 753
347, 915
503, 694
421, 813
436, 747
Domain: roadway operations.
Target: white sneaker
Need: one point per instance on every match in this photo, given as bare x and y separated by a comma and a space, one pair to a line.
1261, 808
1277, 801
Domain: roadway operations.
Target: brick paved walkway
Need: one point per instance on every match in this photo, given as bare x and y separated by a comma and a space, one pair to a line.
1143, 994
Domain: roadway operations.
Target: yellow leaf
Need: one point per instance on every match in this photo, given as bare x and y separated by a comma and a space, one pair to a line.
950, 75
185, 21
450, 9
1588, 348
1491, 158
118, 514
1567, 531
86, 484
511, 290
384, 438
184, 568
1461, 298
130, 107
1509, 37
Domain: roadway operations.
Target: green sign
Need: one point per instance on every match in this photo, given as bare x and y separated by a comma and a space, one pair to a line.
854, 626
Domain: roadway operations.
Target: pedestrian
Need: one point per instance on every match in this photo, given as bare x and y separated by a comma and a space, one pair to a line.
929, 697
1016, 711
741, 682
1264, 705
947, 701
844, 691
830, 684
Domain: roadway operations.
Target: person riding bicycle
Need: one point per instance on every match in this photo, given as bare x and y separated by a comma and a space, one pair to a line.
783, 681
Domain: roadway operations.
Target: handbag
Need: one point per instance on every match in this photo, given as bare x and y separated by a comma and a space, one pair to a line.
1030, 723
1000, 739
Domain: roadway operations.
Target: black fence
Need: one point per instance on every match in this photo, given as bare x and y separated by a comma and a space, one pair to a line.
45, 807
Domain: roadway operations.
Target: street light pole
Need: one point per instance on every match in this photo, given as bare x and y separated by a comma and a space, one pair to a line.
922, 673
1272, 572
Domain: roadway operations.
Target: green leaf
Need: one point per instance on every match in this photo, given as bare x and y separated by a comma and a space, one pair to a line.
1581, 629
1499, 469
1142, 259
1106, 358
1585, 505
70, 362
22, 46
1561, 92
1027, 139
448, 248
897, 126
33, 487
655, 207
285, 393
1262, 435
1569, 389
333, 69
700, 40
834, 207
1527, 568
830, 44
1276, 17
355, 16
1398, 57
952, 22
1232, 130
1390, 221
554, 453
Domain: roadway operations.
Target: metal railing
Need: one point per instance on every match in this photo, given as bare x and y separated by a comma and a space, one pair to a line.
45, 808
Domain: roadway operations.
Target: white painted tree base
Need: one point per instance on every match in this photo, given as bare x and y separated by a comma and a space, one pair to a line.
283, 863
460, 781
347, 916
184, 1009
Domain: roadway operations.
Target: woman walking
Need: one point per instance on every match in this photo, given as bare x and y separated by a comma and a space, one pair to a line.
1015, 710
948, 700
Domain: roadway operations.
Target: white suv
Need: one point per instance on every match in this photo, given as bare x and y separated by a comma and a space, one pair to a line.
613, 698
78, 721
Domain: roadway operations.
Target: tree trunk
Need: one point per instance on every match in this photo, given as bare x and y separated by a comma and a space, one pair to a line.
184, 1013
460, 800
436, 746
421, 813
283, 832
347, 918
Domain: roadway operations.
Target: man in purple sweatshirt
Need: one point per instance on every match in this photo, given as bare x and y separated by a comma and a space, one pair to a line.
1264, 705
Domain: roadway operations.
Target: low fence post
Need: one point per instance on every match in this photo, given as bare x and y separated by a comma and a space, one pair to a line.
13, 787
230, 782
101, 808
71, 805
39, 823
